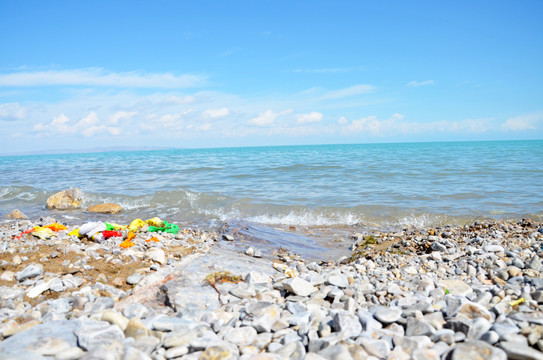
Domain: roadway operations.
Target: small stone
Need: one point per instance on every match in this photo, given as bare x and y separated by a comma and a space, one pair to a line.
93, 334
114, 318
219, 351
243, 291
456, 287
228, 237
241, 336
56, 285
477, 350
514, 271
256, 278
66, 199
16, 214
336, 352
134, 279
157, 254
71, 353
29, 272
387, 315
299, 286
515, 350
7, 276
419, 327
338, 280
472, 310
135, 328
347, 324
250, 251
175, 352
479, 326
490, 337
425, 354
37, 290
493, 248
377, 348
106, 208
179, 338
534, 263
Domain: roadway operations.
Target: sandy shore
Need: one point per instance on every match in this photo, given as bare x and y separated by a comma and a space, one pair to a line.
450, 292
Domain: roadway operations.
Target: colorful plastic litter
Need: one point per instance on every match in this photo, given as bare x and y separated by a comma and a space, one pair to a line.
128, 243
517, 302
42, 232
74, 232
111, 233
113, 226
24, 232
168, 228
156, 222
56, 227
91, 228
154, 238
135, 225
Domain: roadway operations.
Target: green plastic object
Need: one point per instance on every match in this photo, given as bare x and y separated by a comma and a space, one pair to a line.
109, 227
169, 228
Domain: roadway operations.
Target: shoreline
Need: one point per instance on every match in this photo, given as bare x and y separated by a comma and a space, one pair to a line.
455, 291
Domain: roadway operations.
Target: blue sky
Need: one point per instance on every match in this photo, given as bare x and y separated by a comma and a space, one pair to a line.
77, 74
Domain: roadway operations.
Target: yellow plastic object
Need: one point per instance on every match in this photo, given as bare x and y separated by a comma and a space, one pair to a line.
42, 232
117, 226
155, 222
135, 225
517, 302
56, 227
74, 232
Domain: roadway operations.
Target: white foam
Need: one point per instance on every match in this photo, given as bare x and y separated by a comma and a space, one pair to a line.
306, 219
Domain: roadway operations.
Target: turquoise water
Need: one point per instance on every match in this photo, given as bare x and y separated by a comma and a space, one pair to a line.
422, 184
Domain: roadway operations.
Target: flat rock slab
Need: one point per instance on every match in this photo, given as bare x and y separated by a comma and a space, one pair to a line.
171, 284
34, 337
106, 208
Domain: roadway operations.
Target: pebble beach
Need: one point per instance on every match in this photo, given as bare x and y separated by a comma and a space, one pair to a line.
468, 292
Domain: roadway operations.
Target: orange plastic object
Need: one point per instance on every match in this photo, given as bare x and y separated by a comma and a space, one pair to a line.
56, 227
24, 232
155, 239
128, 243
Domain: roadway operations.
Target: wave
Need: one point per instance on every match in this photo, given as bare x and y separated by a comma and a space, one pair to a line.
183, 205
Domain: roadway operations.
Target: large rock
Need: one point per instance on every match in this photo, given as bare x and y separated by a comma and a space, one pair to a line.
66, 199
106, 208
17, 215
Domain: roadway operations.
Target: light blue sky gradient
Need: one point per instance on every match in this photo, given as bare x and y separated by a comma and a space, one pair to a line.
77, 74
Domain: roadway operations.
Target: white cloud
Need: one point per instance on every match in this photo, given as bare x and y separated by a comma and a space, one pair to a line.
267, 118
216, 113
395, 125
179, 100
87, 126
521, 123
312, 117
373, 125
12, 111
114, 119
100, 77
420, 83
346, 92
